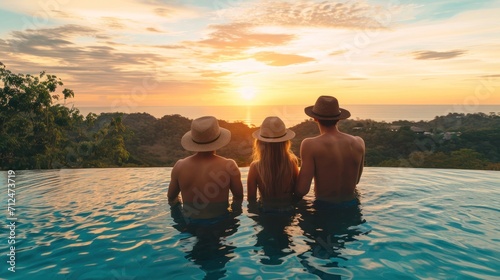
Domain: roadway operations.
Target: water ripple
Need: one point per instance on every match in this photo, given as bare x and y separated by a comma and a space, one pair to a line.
117, 224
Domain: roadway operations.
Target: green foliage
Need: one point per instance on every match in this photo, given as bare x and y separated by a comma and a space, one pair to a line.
33, 128
37, 132
468, 141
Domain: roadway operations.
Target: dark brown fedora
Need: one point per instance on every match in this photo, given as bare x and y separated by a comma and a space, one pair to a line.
327, 108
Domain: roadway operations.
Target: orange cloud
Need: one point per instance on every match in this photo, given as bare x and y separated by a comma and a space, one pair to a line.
232, 39
433, 55
278, 59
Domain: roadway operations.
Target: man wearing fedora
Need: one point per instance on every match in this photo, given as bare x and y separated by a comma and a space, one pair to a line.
334, 159
205, 179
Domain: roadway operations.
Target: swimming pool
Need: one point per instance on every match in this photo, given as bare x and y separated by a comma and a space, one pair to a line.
117, 224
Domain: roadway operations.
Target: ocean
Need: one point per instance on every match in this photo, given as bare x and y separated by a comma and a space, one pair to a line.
294, 114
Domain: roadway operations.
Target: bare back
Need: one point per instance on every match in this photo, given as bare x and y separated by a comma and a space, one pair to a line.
335, 161
204, 181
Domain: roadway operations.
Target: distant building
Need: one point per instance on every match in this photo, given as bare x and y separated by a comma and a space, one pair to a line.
417, 129
394, 127
451, 134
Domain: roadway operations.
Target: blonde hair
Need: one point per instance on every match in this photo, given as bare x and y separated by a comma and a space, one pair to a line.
276, 165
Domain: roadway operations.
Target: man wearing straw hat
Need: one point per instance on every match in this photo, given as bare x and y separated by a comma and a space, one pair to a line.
334, 159
205, 179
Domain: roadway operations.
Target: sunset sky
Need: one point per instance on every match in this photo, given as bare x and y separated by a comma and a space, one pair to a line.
234, 52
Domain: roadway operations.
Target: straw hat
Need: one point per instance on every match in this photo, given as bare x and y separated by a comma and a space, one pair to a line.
205, 135
327, 108
273, 130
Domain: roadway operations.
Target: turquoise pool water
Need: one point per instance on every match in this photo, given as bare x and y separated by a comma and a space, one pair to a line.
117, 224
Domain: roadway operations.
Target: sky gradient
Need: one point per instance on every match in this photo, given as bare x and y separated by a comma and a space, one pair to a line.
234, 52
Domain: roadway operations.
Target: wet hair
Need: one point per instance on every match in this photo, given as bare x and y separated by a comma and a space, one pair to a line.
328, 123
276, 165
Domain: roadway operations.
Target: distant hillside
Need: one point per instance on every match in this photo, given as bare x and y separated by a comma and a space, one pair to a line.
452, 141
469, 141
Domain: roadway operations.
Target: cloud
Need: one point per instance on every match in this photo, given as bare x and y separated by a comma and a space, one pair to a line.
434, 55
68, 30
240, 36
491, 76
214, 74
339, 52
152, 29
233, 39
114, 23
91, 66
170, 47
106, 71
325, 14
311, 72
164, 12
277, 59
250, 22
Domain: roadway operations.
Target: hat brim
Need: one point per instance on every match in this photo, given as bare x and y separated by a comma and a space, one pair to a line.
344, 114
188, 143
289, 135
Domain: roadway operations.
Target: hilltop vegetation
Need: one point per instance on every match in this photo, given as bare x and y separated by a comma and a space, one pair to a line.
37, 132
469, 141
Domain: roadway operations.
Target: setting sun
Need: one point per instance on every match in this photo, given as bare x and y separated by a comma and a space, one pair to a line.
247, 93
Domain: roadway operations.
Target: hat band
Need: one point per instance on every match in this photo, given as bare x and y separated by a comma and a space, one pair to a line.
340, 113
208, 142
272, 137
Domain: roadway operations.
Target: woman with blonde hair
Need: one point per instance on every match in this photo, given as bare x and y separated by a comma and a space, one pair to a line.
274, 169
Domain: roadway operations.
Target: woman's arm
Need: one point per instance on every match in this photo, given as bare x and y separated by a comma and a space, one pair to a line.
252, 183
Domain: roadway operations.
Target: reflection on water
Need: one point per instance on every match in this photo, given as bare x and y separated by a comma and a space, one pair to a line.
117, 224
325, 232
329, 229
211, 251
273, 237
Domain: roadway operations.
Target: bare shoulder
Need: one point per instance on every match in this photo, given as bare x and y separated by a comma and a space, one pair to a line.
358, 142
230, 165
253, 165
179, 164
314, 145
309, 142
227, 161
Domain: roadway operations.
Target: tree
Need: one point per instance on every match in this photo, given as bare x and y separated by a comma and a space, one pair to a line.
32, 127
110, 143
37, 132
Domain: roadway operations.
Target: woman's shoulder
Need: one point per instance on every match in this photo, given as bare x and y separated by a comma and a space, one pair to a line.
253, 164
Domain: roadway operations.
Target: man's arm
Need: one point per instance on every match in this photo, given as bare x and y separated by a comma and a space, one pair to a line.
173, 187
236, 186
306, 170
362, 163
252, 183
